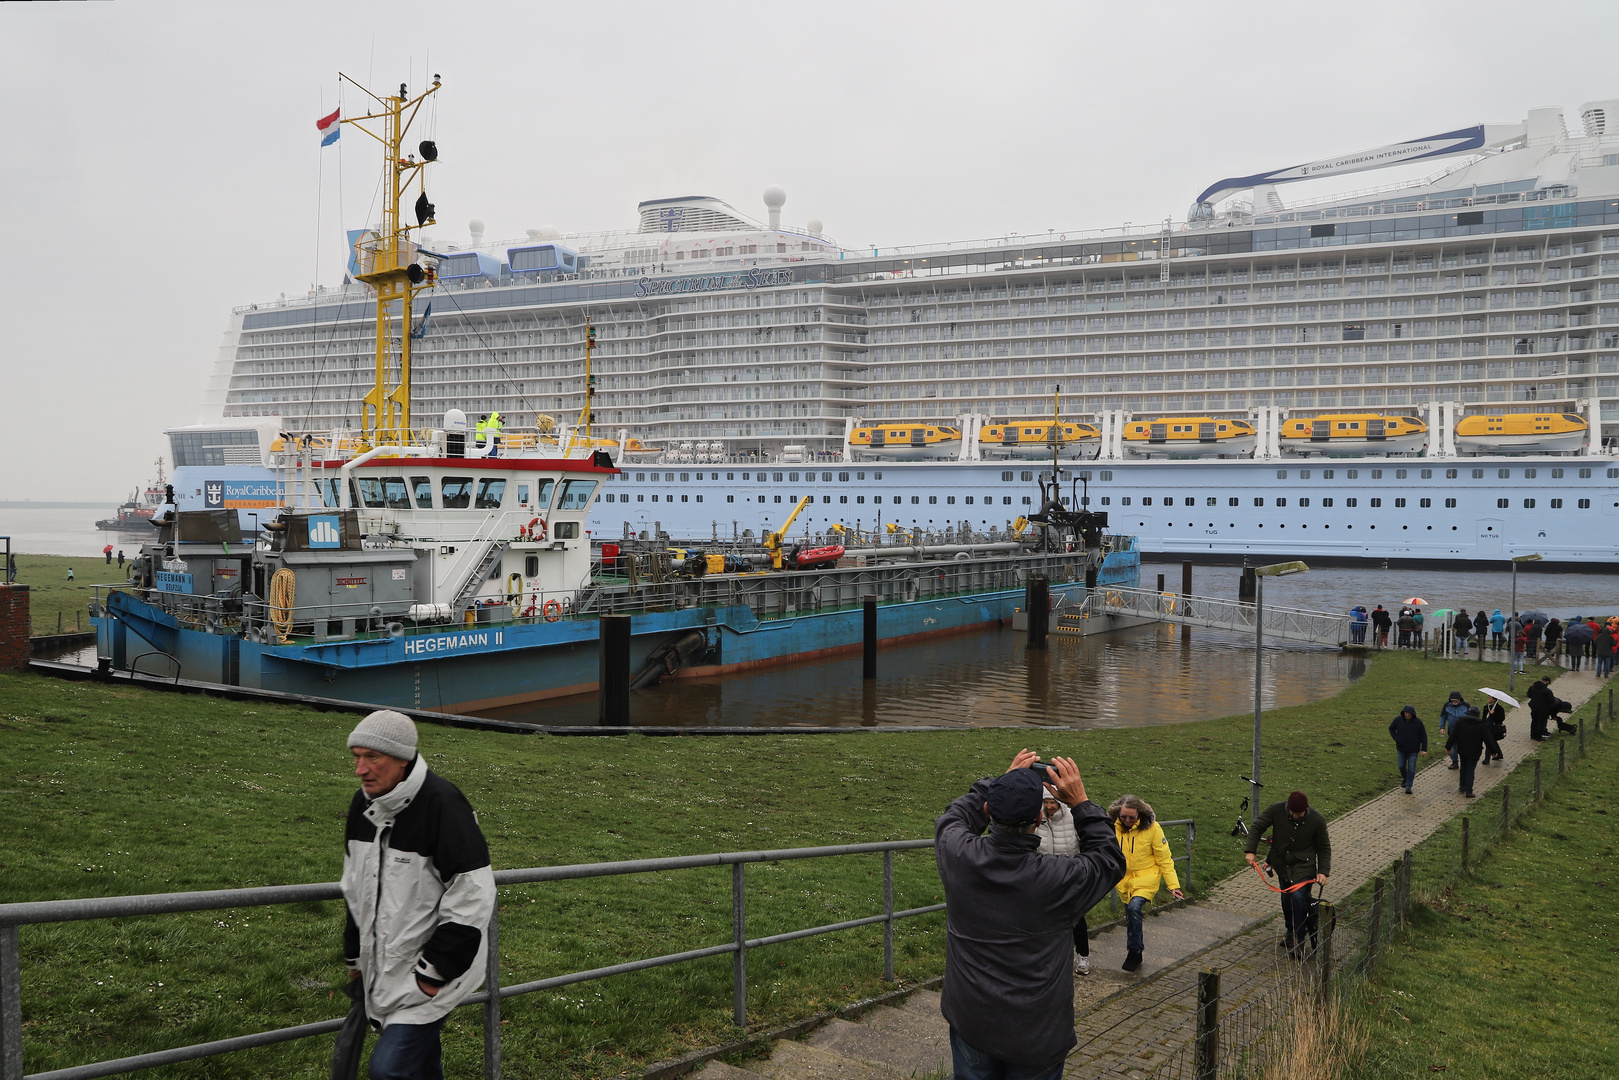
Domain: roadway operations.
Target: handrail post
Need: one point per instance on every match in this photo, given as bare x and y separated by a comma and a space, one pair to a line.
491, 1008
1327, 919
888, 910
739, 929
1206, 1065
10, 1005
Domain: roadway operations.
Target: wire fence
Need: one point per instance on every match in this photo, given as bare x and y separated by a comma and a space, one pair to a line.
1229, 1020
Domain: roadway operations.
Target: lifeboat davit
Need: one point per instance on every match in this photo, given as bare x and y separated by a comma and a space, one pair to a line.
1189, 436
1524, 433
906, 442
1354, 434
1033, 439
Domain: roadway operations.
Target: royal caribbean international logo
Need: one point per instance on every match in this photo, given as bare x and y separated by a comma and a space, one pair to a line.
214, 494
751, 279
671, 218
323, 531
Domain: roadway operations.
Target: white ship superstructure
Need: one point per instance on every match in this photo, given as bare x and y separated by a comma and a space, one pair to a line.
1492, 286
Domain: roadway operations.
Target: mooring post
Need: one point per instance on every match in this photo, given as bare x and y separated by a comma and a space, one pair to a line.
888, 911
491, 1008
1207, 1054
613, 671
739, 934
1245, 584
1327, 917
869, 611
1039, 610
1374, 928
1465, 831
1160, 583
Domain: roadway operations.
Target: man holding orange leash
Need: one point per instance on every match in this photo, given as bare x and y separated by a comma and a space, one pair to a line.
1300, 854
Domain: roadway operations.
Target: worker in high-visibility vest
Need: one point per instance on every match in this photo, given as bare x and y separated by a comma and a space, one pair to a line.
493, 429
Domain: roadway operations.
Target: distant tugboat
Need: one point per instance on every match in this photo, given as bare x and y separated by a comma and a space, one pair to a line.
136, 511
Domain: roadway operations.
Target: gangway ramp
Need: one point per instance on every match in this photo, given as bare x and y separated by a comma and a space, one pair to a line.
1104, 609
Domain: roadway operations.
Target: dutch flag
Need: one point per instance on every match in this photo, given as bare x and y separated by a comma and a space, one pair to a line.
329, 127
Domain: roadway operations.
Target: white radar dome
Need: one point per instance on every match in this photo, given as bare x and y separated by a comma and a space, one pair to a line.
815, 226
475, 227
775, 197
455, 420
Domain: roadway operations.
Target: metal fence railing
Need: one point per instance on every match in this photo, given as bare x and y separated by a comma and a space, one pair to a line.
15, 916
1281, 623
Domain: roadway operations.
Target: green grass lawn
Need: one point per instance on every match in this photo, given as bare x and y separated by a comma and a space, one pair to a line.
51, 595
1509, 973
117, 790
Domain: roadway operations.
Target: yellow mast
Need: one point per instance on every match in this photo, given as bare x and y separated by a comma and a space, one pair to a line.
590, 382
388, 261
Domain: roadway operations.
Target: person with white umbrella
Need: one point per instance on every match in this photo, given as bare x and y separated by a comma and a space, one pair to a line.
1495, 721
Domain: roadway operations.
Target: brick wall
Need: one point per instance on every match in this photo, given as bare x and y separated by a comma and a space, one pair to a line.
14, 627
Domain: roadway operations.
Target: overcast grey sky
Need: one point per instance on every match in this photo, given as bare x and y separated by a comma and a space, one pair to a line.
160, 162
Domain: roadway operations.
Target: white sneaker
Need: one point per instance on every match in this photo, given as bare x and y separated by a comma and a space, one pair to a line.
1082, 964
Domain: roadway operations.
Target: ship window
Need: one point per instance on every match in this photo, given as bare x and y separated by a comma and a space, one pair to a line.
845, 498
686, 478
745, 476
1399, 503
1212, 501
1503, 473
1353, 474
1281, 474
1190, 501
1107, 474
1501, 504
1146, 500
576, 494
1281, 502
640, 477
950, 500
1259, 502
862, 498
932, 500
1478, 474
1027, 476
1557, 474
1027, 501
1304, 502
329, 493
371, 492
1585, 504
874, 476
610, 498
490, 492
1377, 474
1125, 501
794, 477
1427, 474
1326, 474
456, 492
522, 495
668, 477
683, 498
731, 476
1304, 474
1351, 502
763, 478
1107, 500
542, 498
531, 566
654, 498
1424, 503
778, 498
1006, 476
1530, 474
917, 499
1557, 504
640, 498
1327, 502
1450, 504
843, 478
568, 530
968, 500
1399, 474
1529, 504
878, 499
1376, 502
1233, 501
826, 477
394, 493
1007, 499
777, 476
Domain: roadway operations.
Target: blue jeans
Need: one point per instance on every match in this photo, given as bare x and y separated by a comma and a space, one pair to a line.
408, 1052
1133, 940
1297, 916
1466, 777
973, 1064
1408, 768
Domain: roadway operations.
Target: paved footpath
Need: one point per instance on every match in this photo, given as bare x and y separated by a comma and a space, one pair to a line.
1129, 1023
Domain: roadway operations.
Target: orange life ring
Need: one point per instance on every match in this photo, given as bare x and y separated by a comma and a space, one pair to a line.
553, 611
537, 529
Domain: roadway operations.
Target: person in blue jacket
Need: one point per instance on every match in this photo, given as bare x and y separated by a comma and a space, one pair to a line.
1357, 625
1410, 739
1452, 710
1498, 625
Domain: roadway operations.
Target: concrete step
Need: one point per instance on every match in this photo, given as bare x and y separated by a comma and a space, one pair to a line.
914, 1046
718, 1070
923, 1001
1170, 938
800, 1061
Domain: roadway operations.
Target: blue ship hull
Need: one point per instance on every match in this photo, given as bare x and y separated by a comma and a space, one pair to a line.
485, 666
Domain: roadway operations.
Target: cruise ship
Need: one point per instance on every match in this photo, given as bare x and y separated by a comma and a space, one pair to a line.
763, 358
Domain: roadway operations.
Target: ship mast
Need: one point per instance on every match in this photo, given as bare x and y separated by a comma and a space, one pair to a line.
590, 382
388, 260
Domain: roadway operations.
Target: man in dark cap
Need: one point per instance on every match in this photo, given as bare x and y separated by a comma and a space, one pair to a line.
1300, 851
1009, 958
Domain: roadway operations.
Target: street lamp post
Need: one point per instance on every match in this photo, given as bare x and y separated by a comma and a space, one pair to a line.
1260, 574
1512, 646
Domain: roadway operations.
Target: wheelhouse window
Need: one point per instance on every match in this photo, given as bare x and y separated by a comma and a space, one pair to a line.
455, 492
422, 488
371, 492
394, 493
491, 490
576, 494
542, 496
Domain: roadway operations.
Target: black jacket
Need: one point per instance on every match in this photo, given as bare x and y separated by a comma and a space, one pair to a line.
1467, 738
1410, 735
1542, 702
1299, 849
1382, 619
1481, 624
1009, 949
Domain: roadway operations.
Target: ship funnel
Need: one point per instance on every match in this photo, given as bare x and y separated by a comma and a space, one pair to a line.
475, 226
775, 199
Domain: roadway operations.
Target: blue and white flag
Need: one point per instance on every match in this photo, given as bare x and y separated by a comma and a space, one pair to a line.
329, 127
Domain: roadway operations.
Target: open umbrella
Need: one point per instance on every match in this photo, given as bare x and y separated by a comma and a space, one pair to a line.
1578, 634
1534, 617
1499, 696
1415, 601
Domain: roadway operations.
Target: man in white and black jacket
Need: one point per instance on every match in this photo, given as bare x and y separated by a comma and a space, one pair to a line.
419, 892
1009, 968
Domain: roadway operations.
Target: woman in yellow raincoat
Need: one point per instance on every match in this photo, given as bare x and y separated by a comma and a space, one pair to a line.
1147, 860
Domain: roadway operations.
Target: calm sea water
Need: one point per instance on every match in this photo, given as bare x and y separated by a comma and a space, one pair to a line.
36, 531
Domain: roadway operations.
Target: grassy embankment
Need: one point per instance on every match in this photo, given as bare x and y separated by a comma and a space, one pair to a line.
1509, 972
52, 595
117, 790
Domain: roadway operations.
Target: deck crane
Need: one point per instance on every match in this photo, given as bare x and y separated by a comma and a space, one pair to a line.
774, 540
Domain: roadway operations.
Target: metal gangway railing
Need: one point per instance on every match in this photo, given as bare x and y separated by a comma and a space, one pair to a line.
1213, 612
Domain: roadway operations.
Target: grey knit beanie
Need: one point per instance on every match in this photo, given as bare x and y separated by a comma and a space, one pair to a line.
390, 732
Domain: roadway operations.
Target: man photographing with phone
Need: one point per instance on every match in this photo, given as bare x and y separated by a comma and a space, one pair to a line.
1009, 958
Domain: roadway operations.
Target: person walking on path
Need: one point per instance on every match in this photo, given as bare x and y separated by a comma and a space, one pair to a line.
1300, 851
1381, 621
1467, 739
1481, 627
1008, 990
1462, 625
1059, 837
1410, 739
1148, 860
1454, 708
419, 893
1498, 624
1495, 728
1605, 645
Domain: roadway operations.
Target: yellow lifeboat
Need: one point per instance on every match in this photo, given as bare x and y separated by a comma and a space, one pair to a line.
1521, 433
905, 442
636, 450
1189, 436
1033, 439
1335, 434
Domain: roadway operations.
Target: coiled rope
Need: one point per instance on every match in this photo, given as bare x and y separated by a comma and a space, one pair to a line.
283, 587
